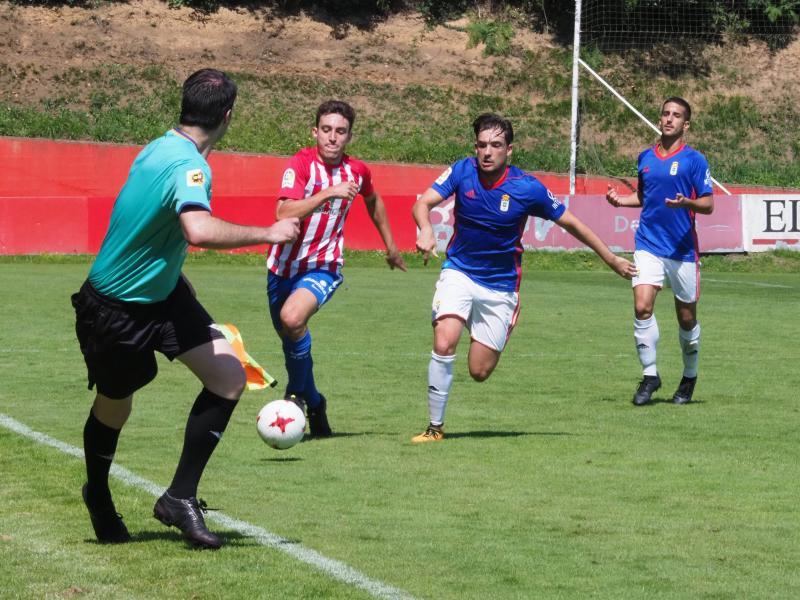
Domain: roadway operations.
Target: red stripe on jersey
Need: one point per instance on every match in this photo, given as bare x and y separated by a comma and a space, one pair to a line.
321, 240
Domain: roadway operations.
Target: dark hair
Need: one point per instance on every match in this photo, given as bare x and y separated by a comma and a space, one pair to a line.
493, 121
336, 107
207, 95
680, 101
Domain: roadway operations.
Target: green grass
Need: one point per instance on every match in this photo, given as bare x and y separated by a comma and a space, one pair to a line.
549, 485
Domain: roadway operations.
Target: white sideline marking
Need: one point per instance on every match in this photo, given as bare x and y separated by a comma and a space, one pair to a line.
334, 568
756, 283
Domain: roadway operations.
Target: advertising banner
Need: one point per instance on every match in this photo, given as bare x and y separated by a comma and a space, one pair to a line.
771, 221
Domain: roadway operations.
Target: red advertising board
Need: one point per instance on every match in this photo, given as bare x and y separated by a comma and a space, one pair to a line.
56, 196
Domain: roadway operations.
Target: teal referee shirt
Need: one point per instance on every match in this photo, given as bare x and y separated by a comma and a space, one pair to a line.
143, 251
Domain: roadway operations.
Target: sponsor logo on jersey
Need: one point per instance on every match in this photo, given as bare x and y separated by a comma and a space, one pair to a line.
470, 194
707, 180
288, 179
505, 200
443, 177
673, 170
327, 207
646, 170
556, 202
195, 178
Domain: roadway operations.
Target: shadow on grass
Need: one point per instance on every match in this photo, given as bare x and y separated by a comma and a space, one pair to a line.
500, 434
653, 401
282, 459
229, 538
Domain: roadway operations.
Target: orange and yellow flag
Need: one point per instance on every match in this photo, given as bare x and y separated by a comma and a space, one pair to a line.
257, 376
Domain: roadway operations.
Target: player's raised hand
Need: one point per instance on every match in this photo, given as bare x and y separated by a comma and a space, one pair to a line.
395, 260
344, 189
679, 201
624, 268
426, 244
612, 196
283, 231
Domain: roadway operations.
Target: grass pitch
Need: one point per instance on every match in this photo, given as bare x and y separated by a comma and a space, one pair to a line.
550, 484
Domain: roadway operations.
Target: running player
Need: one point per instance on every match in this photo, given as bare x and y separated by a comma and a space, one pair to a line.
136, 301
479, 283
674, 185
318, 187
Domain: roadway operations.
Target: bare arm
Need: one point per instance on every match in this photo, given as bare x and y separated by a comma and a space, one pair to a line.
377, 212
302, 208
703, 205
632, 200
426, 242
582, 233
202, 229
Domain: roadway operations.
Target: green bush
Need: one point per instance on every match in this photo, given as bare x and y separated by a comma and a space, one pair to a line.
495, 35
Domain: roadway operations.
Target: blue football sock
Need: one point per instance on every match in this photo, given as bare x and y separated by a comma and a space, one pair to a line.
298, 363
312, 393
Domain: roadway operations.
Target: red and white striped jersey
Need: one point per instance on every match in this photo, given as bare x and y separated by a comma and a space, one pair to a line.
321, 239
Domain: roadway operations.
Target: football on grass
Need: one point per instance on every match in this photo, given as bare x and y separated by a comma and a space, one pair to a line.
281, 424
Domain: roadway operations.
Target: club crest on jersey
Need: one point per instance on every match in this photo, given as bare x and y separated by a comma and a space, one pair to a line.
288, 179
673, 170
505, 201
195, 178
443, 177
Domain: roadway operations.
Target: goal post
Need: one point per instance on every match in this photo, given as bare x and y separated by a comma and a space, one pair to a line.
634, 53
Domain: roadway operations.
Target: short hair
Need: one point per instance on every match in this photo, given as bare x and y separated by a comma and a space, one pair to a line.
493, 121
680, 101
336, 107
208, 95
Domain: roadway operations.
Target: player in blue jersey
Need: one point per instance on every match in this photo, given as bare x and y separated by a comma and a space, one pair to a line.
479, 284
136, 301
674, 185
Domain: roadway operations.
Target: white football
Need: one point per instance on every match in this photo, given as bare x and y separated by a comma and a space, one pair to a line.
281, 424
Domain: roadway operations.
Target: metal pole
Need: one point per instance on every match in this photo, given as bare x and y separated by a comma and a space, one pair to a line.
576, 56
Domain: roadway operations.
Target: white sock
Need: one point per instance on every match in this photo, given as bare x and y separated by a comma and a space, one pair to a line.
646, 334
690, 345
440, 378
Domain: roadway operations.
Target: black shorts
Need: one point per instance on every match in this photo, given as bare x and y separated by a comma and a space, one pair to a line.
119, 339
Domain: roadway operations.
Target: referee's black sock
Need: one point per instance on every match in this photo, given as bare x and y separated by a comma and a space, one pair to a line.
99, 446
207, 422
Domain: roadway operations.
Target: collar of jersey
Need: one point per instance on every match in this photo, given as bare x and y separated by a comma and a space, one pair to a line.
182, 136
497, 183
667, 156
328, 167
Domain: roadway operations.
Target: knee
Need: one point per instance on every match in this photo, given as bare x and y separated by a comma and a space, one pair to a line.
480, 373
687, 324
230, 381
292, 321
112, 412
643, 311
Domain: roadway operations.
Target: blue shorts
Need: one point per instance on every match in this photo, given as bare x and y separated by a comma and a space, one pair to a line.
320, 282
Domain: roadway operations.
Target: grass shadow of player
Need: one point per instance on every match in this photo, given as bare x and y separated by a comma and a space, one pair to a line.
174, 535
500, 434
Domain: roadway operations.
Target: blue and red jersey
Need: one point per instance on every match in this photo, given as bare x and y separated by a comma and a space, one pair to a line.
664, 231
486, 244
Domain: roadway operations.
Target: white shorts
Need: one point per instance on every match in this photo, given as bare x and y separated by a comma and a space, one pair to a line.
684, 277
490, 315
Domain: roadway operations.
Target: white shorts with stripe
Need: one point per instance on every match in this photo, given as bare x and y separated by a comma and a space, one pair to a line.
683, 277
490, 315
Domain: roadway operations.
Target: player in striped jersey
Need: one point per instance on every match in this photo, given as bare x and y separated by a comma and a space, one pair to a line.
319, 187
479, 284
674, 185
